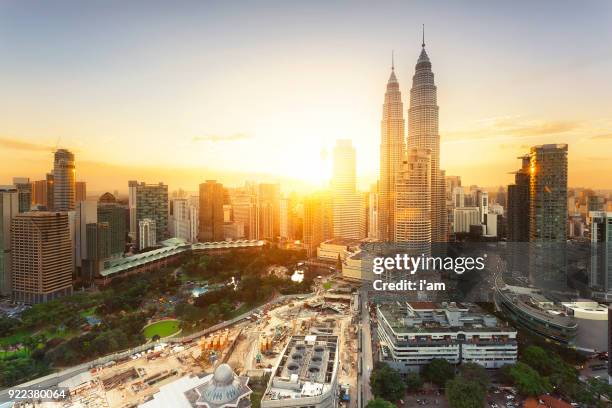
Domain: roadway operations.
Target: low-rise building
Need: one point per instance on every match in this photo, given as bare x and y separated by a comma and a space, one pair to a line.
335, 248
412, 334
306, 375
221, 389
531, 310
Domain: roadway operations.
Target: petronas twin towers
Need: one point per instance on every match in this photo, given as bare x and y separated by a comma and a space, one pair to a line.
411, 207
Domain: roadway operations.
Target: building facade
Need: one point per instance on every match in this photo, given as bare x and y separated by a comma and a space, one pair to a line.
9, 208
548, 193
147, 233
423, 134
413, 334
413, 202
42, 258
148, 201
306, 374
24, 187
211, 212
64, 181
115, 215
347, 203
392, 150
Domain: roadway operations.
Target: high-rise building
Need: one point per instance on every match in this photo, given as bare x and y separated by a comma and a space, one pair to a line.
464, 218
39, 193
548, 193
501, 197
42, 261
373, 212
347, 203
413, 202
423, 134
50, 178
114, 214
392, 151
244, 207
318, 221
600, 277
80, 191
9, 208
181, 224
211, 212
92, 240
64, 187
24, 188
147, 233
286, 218
268, 204
483, 205
148, 201
452, 182
458, 197
518, 204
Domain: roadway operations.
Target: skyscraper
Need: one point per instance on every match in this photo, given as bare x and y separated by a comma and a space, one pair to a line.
372, 230
392, 150
423, 134
80, 191
518, 204
39, 193
64, 187
244, 207
92, 240
24, 188
148, 201
318, 219
548, 193
211, 212
413, 202
42, 262
347, 203
9, 207
600, 276
268, 204
114, 214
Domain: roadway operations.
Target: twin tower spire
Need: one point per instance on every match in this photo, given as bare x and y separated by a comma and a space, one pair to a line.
403, 214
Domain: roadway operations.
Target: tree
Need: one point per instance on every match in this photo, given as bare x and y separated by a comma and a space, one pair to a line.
414, 382
465, 393
476, 373
528, 381
379, 403
438, 371
599, 387
538, 359
387, 382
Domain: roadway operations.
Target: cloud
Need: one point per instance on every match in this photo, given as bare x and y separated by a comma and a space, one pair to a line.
21, 145
605, 136
512, 128
221, 138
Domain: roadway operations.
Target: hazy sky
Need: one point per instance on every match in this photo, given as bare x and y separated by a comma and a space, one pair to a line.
183, 91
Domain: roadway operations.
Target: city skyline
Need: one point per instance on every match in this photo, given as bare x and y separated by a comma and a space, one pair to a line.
296, 91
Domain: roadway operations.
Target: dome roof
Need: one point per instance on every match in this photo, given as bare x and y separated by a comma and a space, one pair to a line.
224, 388
224, 375
107, 198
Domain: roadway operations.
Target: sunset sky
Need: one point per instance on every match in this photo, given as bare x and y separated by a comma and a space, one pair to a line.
184, 91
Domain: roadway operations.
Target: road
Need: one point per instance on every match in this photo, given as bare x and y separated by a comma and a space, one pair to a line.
367, 363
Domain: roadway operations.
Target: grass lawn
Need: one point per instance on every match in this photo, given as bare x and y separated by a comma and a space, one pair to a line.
88, 312
163, 328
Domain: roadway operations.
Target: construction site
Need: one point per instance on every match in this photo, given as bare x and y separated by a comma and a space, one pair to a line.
252, 347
